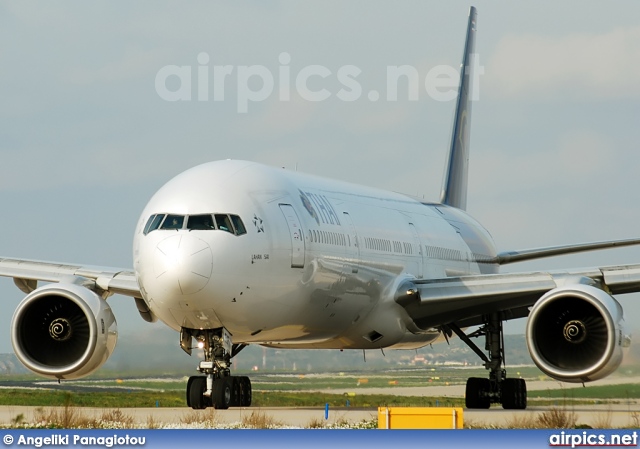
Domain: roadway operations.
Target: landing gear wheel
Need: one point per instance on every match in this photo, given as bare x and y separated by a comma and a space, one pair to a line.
189, 382
195, 392
236, 392
223, 393
514, 394
241, 391
244, 396
477, 393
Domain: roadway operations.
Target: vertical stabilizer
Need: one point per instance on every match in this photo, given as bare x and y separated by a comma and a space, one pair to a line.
454, 187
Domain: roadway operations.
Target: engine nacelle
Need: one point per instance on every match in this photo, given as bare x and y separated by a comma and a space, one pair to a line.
576, 333
63, 331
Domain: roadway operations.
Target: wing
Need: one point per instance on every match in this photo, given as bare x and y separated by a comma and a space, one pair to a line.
27, 273
538, 253
464, 300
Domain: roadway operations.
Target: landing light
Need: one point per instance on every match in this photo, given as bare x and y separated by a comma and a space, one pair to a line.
200, 344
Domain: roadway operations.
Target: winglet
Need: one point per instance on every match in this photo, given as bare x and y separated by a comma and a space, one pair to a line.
454, 187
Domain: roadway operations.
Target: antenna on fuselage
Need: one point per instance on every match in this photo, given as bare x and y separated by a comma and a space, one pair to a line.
454, 186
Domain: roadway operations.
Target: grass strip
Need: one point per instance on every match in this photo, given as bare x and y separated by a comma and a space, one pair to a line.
607, 392
48, 398
138, 399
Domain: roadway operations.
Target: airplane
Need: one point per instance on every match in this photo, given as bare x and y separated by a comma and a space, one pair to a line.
234, 253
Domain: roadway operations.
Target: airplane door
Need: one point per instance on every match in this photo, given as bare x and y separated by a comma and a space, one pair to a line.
297, 235
418, 242
353, 247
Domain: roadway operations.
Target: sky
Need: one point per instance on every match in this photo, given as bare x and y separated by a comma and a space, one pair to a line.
87, 133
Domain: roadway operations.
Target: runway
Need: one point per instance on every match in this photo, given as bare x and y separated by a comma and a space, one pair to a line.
459, 390
625, 414
608, 416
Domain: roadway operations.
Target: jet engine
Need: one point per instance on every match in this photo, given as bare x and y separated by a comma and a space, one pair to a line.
576, 333
63, 331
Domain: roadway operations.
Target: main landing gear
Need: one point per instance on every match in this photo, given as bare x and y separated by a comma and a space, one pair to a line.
216, 387
497, 389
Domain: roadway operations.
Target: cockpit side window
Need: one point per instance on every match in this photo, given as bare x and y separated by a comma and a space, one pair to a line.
224, 223
237, 223
200, 222
173, 222
148, 225
153, 223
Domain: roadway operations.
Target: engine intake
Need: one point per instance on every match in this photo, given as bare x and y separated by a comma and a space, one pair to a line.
63, 331
576, 333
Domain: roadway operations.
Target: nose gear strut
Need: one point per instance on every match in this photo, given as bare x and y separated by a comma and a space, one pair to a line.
217, 387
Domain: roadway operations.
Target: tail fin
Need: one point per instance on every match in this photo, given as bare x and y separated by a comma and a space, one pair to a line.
454, 187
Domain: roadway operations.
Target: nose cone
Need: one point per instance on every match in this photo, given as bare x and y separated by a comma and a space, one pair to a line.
183, 264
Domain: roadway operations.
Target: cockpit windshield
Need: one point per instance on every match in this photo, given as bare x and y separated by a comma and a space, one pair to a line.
224, 223
199, 222
173, 222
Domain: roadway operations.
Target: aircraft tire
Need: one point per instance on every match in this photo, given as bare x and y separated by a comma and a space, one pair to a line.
195, 392
188, 395
236, 392
514, 394
477, 393
245, 391
223, 393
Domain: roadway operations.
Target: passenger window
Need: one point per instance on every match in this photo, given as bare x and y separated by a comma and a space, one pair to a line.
224, 223
237, 223
154, 224
173, 222
200, 222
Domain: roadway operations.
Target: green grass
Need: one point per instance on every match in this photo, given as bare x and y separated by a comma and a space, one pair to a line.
282, 389
351, 381
48, 398
130, 385
620, 391
300, 381
122, 400
292, 399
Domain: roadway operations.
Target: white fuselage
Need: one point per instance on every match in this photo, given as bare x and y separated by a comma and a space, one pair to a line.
318, 265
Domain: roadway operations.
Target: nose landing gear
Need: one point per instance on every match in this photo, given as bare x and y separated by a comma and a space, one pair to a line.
217, 387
